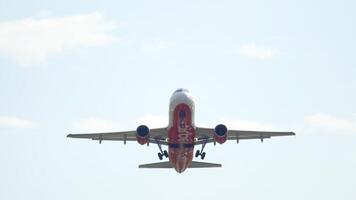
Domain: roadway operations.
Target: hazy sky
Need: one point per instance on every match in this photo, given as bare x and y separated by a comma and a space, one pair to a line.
77, 66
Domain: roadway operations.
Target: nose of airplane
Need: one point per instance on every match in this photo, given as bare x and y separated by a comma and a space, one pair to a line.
182, 94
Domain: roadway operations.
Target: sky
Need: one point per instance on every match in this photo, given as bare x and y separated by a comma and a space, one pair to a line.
87, 66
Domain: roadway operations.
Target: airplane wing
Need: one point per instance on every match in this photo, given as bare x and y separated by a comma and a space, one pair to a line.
206, 135
156, 135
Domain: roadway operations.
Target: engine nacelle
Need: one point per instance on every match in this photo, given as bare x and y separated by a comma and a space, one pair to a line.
220, 134
142, 134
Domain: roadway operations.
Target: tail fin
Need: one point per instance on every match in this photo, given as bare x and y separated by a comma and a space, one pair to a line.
193, 164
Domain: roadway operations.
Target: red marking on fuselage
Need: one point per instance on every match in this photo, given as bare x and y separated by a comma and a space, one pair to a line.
181, 138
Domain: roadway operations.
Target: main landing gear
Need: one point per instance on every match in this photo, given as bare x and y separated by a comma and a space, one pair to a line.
201, 152
161, 153
198, 153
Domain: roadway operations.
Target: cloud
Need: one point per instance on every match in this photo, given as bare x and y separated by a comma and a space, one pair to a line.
329, 123
13, 122
29, 41
258, 52
94, 125
153, 121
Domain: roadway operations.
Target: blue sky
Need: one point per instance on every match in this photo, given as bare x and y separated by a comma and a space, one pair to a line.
76, 66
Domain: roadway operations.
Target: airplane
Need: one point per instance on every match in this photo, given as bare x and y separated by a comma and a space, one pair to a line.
181, 136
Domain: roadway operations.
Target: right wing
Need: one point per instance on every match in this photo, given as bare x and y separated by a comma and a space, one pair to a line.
206, 135
158, 135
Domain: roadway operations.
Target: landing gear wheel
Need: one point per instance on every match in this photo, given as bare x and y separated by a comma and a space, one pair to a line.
160, 156
202, 155
197, 153
165, 153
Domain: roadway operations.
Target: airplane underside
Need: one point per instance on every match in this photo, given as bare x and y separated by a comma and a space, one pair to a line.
181, 136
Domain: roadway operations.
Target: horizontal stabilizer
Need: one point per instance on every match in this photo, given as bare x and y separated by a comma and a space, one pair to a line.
196, 164
157, 165
193, 164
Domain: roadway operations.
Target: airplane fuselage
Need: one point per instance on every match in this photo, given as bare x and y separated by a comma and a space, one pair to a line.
181, 130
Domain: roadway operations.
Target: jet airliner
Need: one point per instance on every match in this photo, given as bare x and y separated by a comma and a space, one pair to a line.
181, 136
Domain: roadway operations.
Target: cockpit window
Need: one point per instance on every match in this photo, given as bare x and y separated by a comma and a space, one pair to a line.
181, 90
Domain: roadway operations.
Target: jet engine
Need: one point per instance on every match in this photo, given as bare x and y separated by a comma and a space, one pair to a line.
142, 134
220, 134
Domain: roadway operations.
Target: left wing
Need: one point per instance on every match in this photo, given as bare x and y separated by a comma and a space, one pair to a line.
156, 135
206, 135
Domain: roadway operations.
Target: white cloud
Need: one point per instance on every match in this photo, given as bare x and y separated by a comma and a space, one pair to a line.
153, 121
94, 125
13, 122
29, 41
258, 52
329, 123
